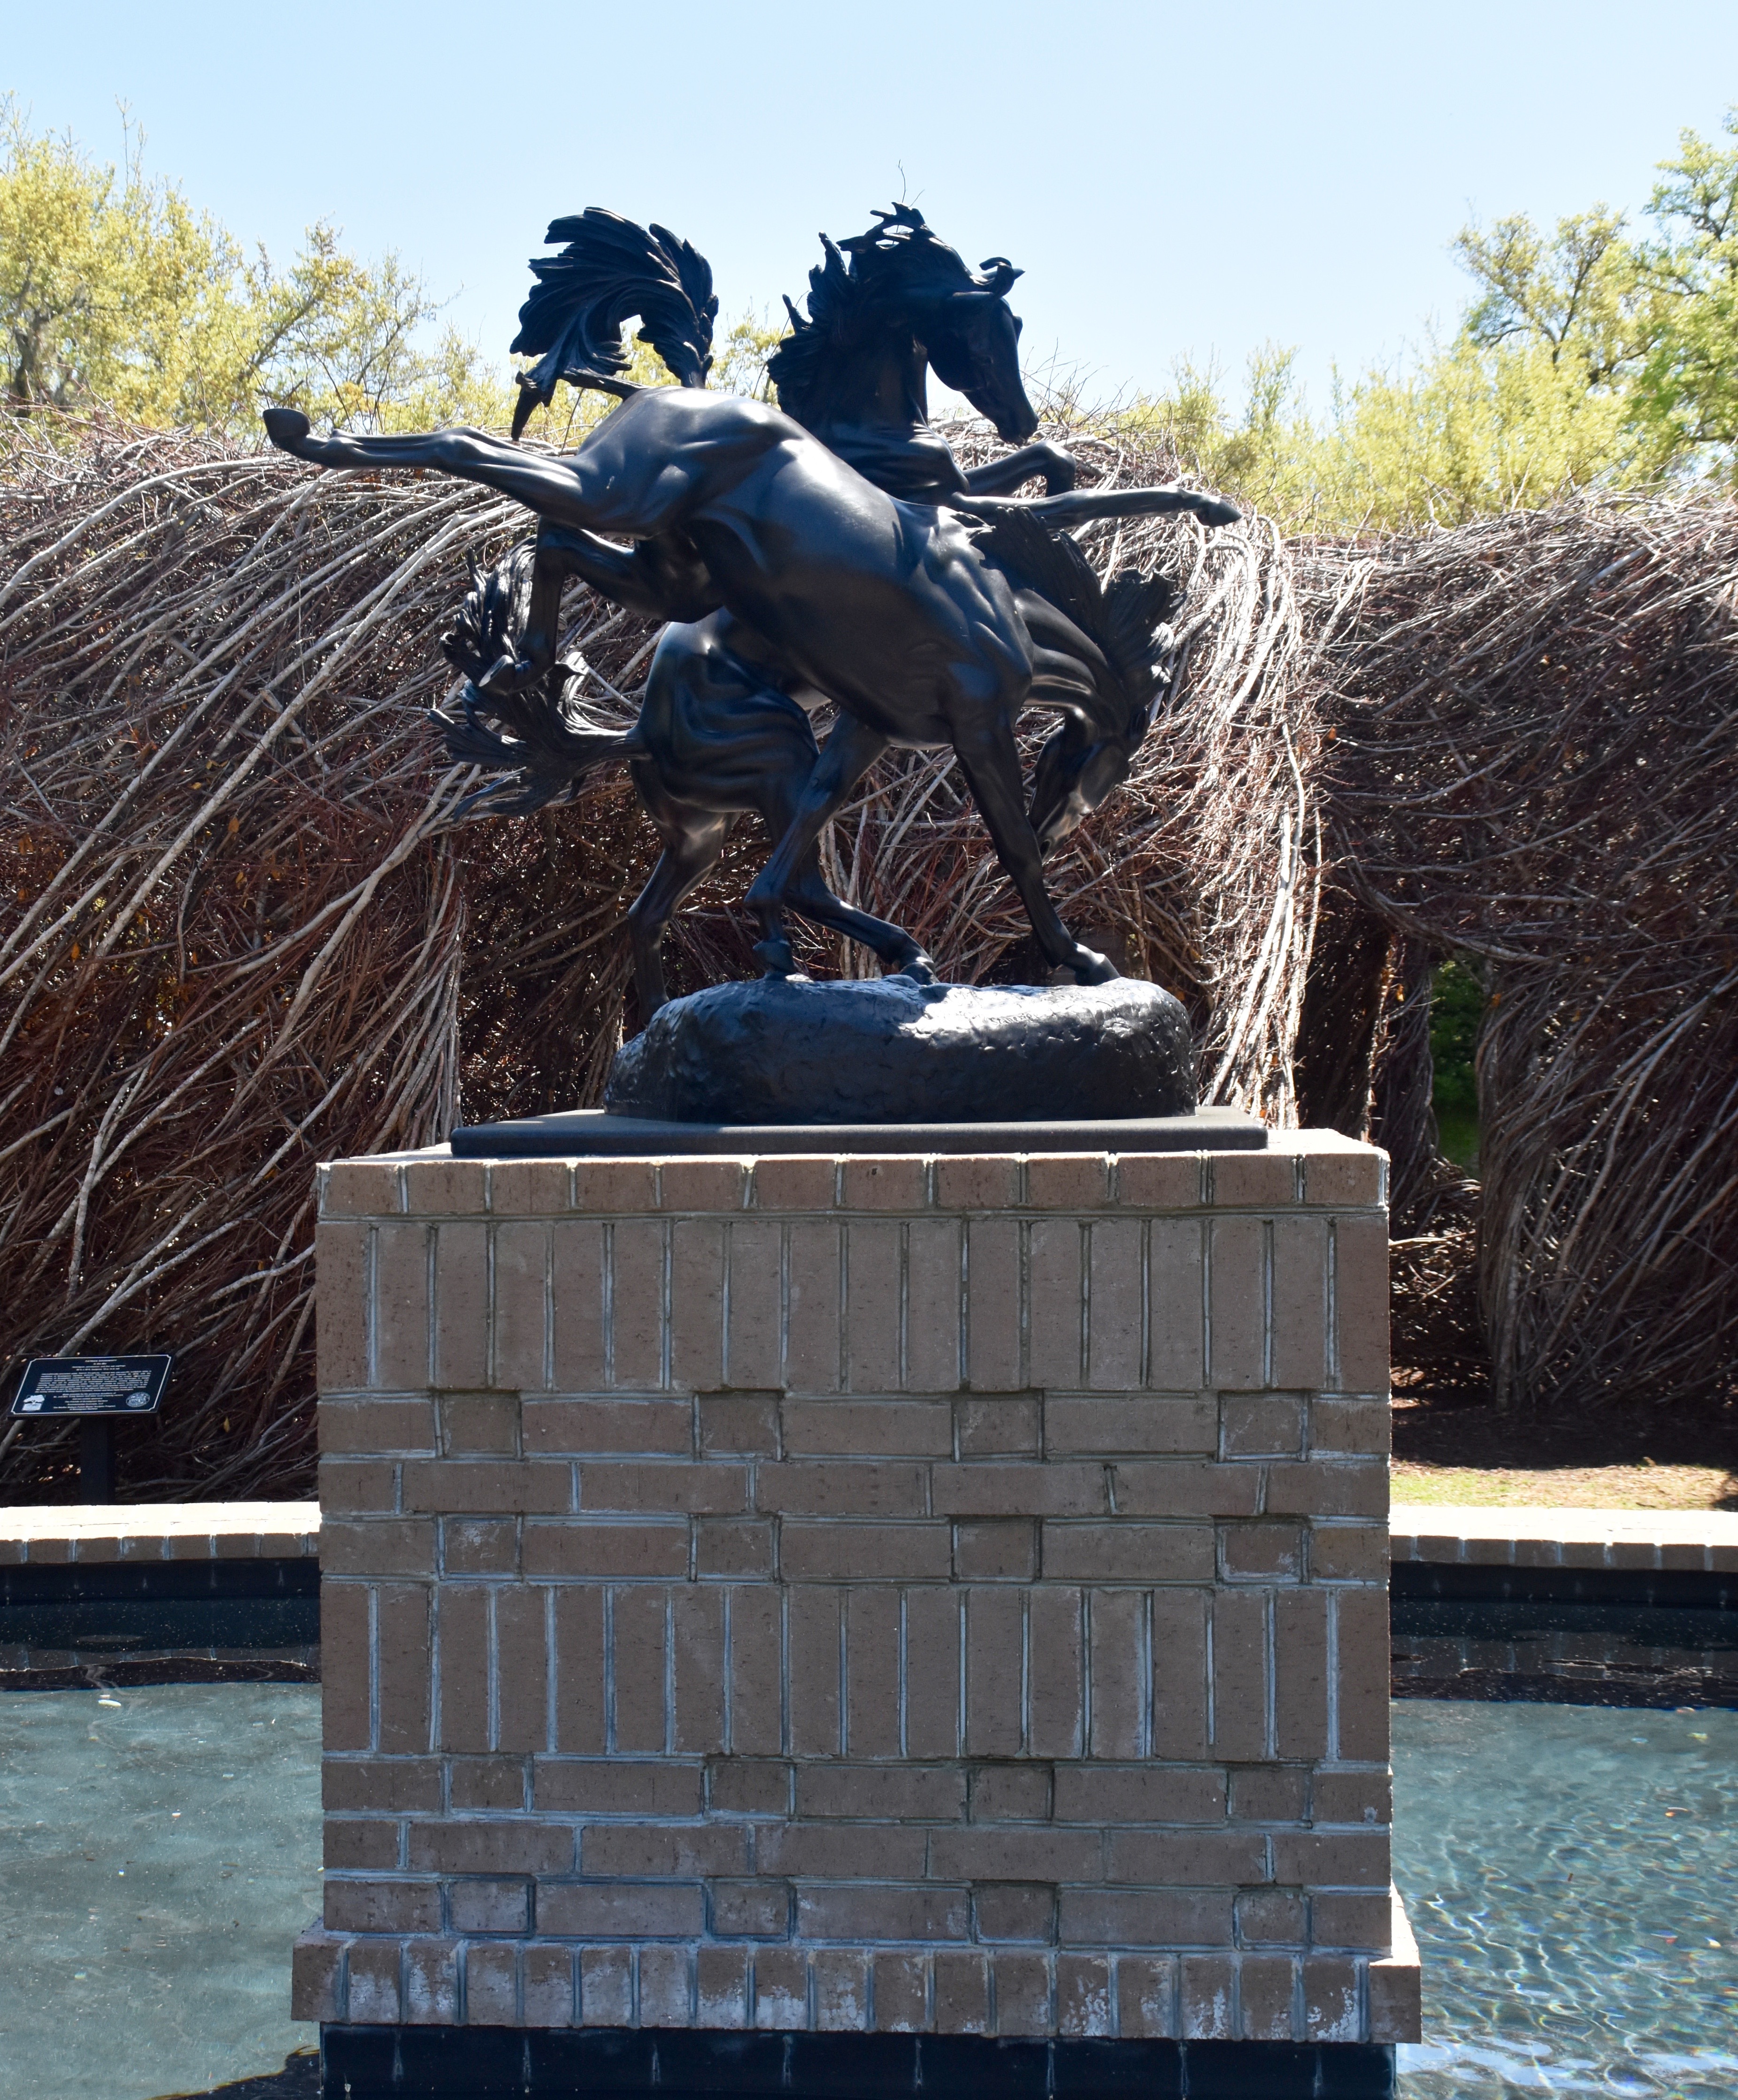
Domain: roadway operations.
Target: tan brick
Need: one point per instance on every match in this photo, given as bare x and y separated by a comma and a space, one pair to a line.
840, 1980
1207, 1997
316, 1979
485, 1782
462, 1667
480, 1424
616, 1786
1351, 1796
446, 1188
751, 1786
546, 1979
874, 1309
962, 1993
341, 1265
1057, 1307
1331, 1999
480, 1547
751, 1910
846, 1488
1266, 1986
461, 1305
1360, 1298
1238, 1348
858, 1852
381, 1906
1336, 1179
605, 1910
901, 1988
490, 1846
1015, 1911
704, 1183
690, 1850
753, 1329
1255, 1180
522, 1306
1300, 1302
933, 1635
1131, 1427
1120, 1550
641, 1426
1345, 1487
1267, 1793
1185, 1487
1301, 1665
380, 1783
993, 1670
373, 1998
721, 1993
813, 1324
601, 1186
1239, 1675
637, 1673
606, 1984
1139, 1793
576, 1275
580, 1702
1026, 1853
696, 1299
1261, 1552
664, 1487
1055, 1489
781, 1988
1361, 1689
996, 1549
1265, 1425
993, 1304
344, 1609
1192, 1859
1356, 1428
1159, 1181
872, 1673
933, 1255
1113, 1315
654, 1548
1084, 2002
360, 1844
522, 1643
487, 1487
403, 1683
837, 1551
1143, 1917
1348, 1552
1117, 1623
966, 1181
1016, 1792
378, 1546
529, 1188
740, 1424
889, 1182
491, 1906
867, 1428
1396, 2000
361, 1188
1022, 1994
1350, 1917
730, 1547
1176, 1358
1272, 1917
404, 1426
814, 1619
796, 1182
1332, 1858
697, 1631
1179, 1667
894, 1792
401, 1307
492, 1986
757, 1671
994, 1425
1067, 1180
637, 1302
1147, 1996
858, 1910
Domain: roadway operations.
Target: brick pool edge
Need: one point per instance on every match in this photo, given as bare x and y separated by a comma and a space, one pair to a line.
891, 1596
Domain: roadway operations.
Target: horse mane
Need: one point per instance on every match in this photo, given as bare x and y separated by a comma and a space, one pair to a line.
898, 266
610, 270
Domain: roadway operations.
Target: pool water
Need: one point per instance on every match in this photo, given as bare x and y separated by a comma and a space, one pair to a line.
1571, 1873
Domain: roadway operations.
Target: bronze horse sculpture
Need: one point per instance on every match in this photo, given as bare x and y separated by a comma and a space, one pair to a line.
792, 576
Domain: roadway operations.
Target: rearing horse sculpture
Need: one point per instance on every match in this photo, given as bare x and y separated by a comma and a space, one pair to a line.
832, 588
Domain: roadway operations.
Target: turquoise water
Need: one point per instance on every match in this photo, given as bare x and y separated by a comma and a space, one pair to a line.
1571, 1873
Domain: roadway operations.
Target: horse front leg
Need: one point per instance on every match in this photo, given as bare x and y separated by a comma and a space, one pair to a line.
847, 755
1002, 477
991, 765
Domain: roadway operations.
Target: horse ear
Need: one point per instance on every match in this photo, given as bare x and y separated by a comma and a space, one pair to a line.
1001, 274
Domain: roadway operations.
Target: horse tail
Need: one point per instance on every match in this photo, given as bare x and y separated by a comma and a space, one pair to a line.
547, 751
609, 271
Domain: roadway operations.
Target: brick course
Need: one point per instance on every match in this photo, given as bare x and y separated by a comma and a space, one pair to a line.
898, 1594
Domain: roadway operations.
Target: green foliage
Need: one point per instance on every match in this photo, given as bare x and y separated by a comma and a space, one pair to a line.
1456, 1007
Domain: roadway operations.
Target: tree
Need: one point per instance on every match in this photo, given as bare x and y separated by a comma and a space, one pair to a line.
1687, 388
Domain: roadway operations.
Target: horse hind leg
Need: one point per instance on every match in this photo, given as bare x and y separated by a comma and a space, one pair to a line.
692, 846
900, 954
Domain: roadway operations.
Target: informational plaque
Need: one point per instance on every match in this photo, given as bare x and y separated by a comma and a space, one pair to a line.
91, 1385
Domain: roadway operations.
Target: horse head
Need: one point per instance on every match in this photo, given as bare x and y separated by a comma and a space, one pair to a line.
1076, 770
898, 297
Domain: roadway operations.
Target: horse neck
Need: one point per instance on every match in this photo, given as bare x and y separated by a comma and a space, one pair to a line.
878, 387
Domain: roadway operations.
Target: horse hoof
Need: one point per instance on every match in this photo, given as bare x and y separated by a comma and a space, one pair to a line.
287, 428
1087, 967
919, 969
777, 957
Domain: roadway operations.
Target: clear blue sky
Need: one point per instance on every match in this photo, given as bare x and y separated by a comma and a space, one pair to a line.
1173, 179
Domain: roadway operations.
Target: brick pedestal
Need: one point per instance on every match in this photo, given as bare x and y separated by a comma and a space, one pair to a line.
939, 1597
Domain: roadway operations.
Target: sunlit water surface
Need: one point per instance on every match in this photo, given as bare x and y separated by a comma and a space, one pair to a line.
1571, 1873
